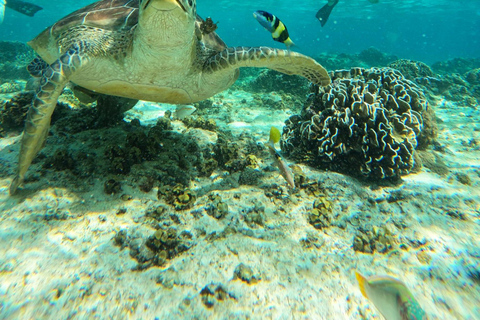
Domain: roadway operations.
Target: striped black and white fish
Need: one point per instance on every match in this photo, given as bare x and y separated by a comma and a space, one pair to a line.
275, 26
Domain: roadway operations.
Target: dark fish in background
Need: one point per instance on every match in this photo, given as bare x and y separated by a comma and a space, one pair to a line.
26, 8
323, 14
275, 26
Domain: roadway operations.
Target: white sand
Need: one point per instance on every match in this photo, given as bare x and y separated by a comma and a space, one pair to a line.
69, 268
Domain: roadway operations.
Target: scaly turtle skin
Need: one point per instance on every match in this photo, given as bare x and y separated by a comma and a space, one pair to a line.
142, 49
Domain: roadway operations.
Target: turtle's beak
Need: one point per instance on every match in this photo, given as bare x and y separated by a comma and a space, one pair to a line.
164, 5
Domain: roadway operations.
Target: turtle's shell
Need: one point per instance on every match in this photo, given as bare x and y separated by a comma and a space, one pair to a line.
113, 15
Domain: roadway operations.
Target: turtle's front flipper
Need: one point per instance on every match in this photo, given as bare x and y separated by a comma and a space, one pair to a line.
50, 85
281, 60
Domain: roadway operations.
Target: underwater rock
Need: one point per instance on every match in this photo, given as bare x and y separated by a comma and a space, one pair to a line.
121, 239
274, 81
473, 76
14, 58
433, 162
213, 293
14, 112
320, 216
111, 186
457, 65
376, 239
311, 241
245, 273
163, 245
367, 123
236, 153
175, 158
463, 178
412, 69
200, 122
255, 216
179, 196
61, 160
217, 208
375, 58
249, 176
12, 86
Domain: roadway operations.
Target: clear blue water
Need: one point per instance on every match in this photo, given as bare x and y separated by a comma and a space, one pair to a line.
424, 30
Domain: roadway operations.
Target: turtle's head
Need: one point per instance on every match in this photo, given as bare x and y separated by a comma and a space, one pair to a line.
168, 22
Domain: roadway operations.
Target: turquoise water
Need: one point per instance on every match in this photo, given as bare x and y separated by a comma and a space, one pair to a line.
423, 30
160, 217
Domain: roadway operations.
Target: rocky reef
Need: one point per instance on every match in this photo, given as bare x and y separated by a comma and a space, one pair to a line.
367, 123
14, 57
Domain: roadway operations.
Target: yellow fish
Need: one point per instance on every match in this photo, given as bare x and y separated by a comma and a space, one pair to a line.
391, 297
285, 170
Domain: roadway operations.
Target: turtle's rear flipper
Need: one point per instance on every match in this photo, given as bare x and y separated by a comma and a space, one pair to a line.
323, 14
284, 61
51, 82
27, 8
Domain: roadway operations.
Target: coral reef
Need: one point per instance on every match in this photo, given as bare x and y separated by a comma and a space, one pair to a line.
179, 197
473, 76
11, 87
245, 273
112, 186
14, 112
212, 293
163, 245
320, 216
200, 122
375, 58
367, 58
14, 58
216, 208
457, 65
376, 239
367, 123
273, 81
236, 153
412, 69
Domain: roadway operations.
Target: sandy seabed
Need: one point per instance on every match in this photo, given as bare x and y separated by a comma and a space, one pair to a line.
59, 260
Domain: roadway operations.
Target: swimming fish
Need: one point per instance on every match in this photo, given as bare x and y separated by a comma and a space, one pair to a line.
275, 26
183, 111
26, 8
391, 297
323, 14
285, 170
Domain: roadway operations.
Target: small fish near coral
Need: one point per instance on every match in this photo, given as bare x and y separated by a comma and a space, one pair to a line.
272, 24
26, 8
391, 297
285, 170
323, 14
183, 111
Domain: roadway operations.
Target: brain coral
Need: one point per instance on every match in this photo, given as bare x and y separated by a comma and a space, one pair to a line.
367, 122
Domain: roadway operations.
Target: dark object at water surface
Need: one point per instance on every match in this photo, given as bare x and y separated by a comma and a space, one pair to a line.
26, 8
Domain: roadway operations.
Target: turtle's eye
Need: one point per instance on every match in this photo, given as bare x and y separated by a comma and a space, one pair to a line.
190, 3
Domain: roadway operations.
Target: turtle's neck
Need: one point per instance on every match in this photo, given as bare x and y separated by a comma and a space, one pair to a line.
161, 26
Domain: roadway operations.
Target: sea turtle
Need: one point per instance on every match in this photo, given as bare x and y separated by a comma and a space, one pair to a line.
142, 49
